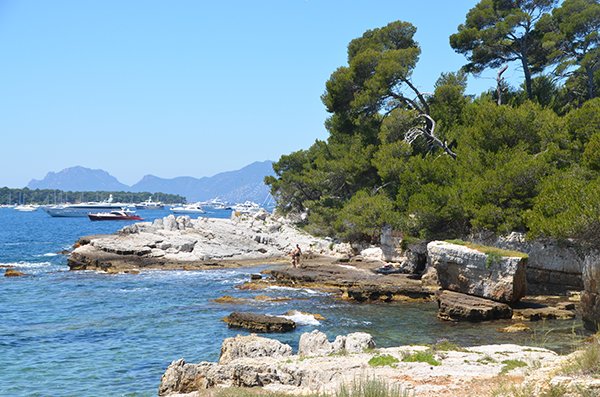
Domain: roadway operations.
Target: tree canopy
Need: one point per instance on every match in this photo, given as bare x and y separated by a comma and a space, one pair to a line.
446, 164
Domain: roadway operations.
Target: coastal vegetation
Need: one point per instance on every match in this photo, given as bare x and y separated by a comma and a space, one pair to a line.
55, 196
445, 164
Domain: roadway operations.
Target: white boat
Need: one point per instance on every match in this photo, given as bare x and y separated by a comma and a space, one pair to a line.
83, 209
26, 207
216, 204
188, 209
150, 205
247, 207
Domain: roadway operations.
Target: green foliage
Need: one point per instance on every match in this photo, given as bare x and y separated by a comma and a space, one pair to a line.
364, 215
496, 32
383, 360
55, 196
570, 36
423, 356
591, 153
509, 365
567, 207
515, 167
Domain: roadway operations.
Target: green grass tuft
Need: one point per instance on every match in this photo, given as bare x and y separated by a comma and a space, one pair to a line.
425, 356
587, 361
383, 360
509, 365
446, 345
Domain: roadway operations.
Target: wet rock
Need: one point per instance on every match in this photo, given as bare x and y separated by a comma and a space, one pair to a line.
252, 346
255, 276
468, 271
13, 273
454, 306
543, 313
259, 322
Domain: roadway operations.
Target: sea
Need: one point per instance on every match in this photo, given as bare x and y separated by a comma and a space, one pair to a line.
85, 333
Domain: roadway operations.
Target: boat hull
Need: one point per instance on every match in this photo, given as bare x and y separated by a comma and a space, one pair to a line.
96, 217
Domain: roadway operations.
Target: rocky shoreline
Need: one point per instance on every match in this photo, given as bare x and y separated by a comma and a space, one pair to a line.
468, 283
202, 243
321, 366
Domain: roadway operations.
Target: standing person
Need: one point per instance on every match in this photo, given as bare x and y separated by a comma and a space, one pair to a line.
296, 253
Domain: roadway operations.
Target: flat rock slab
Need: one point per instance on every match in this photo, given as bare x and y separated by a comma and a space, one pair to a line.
454, 306
259, 322
353, 282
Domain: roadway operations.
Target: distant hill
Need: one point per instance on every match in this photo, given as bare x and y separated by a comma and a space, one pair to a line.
233, 186
79, 179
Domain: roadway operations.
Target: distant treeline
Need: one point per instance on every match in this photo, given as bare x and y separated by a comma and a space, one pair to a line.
54, 196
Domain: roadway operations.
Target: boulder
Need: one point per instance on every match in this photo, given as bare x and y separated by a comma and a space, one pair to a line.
590, 297
315, 343
259, 322
469, 271
181, 377
252, 346
358, 342
454, 306
170, 223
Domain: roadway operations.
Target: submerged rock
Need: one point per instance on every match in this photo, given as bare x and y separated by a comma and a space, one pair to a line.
259, 322
454, 306
466, 270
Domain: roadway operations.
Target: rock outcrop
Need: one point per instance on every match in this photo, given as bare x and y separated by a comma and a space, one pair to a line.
454, 306
470, 368
259, 322
182, 242
553, 268
590, 297
252, 346
469, 271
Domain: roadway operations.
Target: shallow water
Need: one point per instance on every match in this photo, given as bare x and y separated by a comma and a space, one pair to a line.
88, 334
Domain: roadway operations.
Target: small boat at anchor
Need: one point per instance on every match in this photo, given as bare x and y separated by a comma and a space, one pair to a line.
115, 216
150, 205
188, 209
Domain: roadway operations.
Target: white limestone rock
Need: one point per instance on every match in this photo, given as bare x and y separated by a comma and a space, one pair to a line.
252, 346
314, 343
468, 271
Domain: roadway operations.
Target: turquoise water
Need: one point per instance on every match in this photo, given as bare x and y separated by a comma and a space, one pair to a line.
88, 334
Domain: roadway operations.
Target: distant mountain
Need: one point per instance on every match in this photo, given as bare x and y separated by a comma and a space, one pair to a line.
233, 186
79, 179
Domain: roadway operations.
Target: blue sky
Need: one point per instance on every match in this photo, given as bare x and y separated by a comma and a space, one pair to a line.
174, 88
